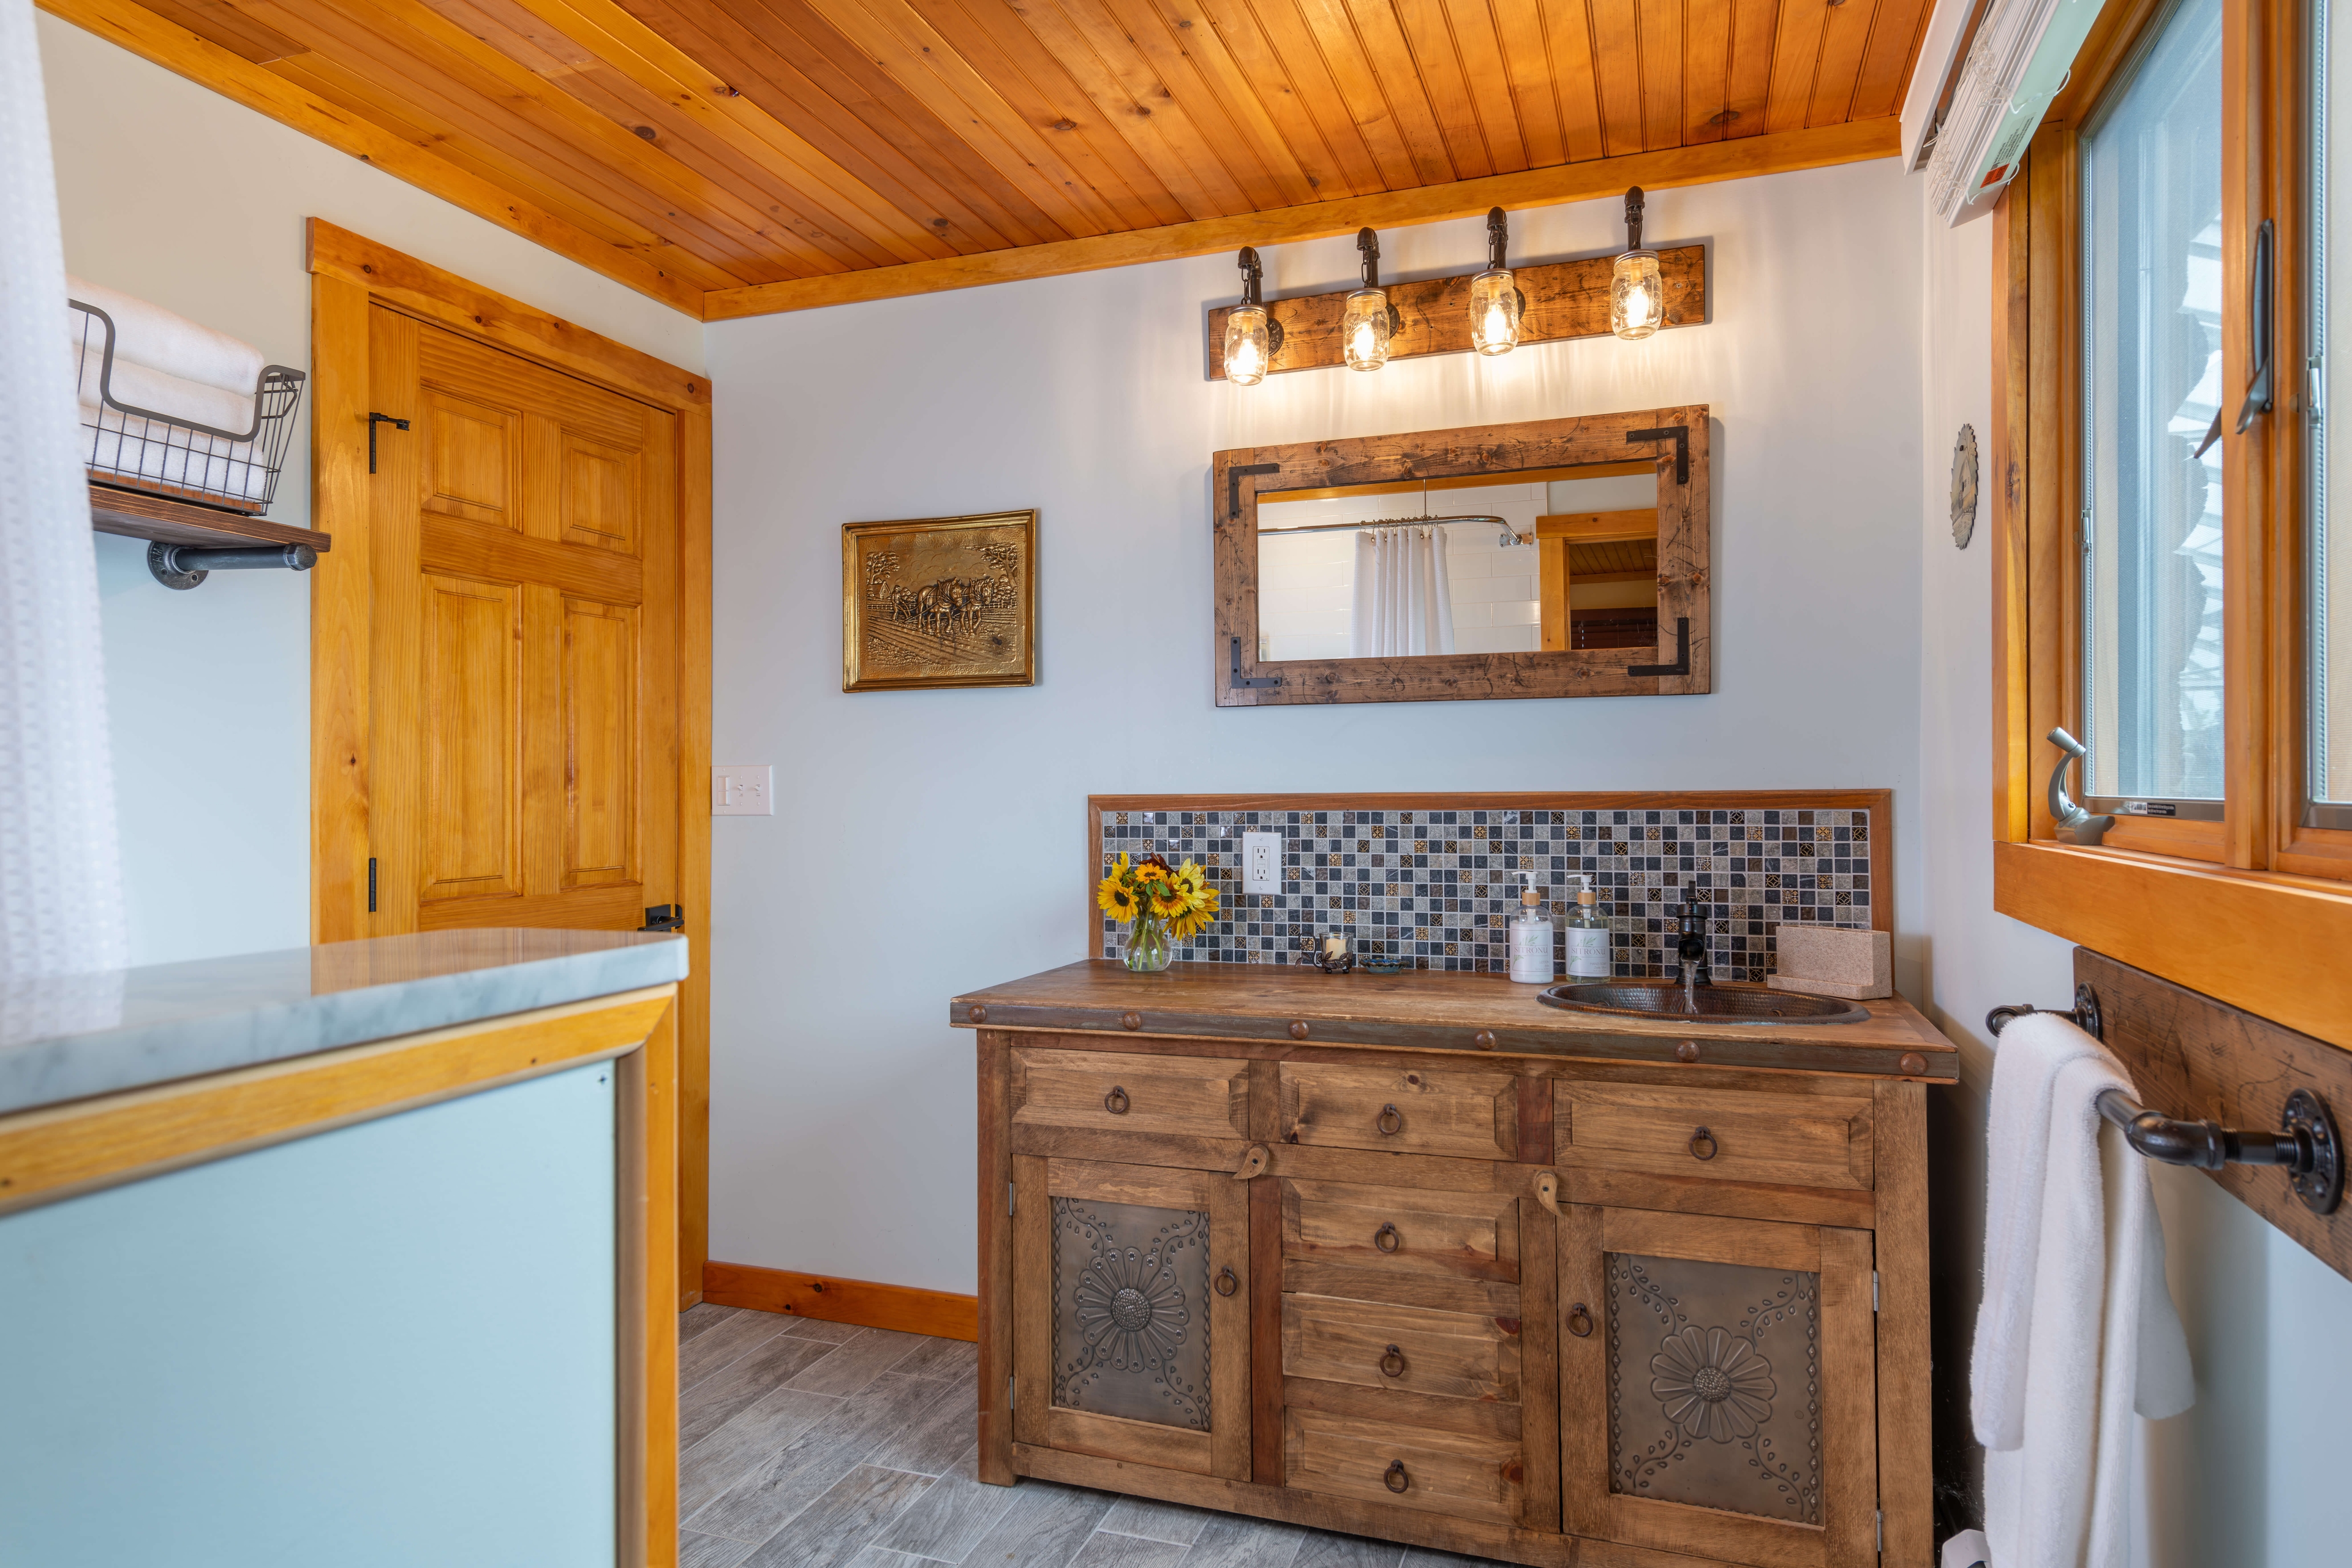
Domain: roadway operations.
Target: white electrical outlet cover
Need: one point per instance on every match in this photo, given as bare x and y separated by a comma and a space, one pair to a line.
743, 789
1261, 862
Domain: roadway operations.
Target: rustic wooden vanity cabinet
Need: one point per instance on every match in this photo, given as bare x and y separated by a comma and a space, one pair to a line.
1415, 1256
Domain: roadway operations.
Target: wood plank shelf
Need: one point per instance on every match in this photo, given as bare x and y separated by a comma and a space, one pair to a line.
140, 514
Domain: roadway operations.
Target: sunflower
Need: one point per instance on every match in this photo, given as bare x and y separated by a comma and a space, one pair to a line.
1152, 868
1200, 901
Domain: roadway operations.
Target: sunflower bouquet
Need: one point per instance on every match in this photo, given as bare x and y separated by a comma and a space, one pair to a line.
1160, 901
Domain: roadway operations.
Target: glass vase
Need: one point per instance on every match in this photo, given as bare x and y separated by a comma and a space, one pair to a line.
1148, 947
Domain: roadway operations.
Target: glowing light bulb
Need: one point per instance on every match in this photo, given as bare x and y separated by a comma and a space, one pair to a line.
1365, 330
1495, 307
1249, 347
1635, 293
1362, 345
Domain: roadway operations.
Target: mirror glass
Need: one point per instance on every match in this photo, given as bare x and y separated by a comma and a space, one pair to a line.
1544, 559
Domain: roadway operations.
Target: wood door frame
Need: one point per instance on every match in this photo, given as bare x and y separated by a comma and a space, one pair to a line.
348, 273
58, 1152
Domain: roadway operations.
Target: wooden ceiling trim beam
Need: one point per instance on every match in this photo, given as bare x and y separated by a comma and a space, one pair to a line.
1272, 41
804, 71
499, 103
1851, 142
1299, 168
919, 57
661, 68
382, 67
205, 63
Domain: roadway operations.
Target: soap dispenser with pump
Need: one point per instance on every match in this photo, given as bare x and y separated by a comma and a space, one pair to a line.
1532, 961
1588, 936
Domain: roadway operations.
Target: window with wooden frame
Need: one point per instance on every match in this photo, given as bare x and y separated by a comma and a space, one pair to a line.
2173, 521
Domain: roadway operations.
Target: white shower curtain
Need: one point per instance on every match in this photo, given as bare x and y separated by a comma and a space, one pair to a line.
60, 878
1404, 601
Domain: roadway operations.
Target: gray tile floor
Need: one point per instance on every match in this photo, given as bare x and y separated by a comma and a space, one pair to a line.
808, 1445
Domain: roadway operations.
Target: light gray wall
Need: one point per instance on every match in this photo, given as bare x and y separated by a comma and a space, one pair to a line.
928, 842
180, 195
2249, 1476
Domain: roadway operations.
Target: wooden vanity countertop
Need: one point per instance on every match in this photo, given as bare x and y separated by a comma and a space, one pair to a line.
1288, 1008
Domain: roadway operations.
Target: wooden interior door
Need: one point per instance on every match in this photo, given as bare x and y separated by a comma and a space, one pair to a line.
524, 720
1718, 1387
1132, 1310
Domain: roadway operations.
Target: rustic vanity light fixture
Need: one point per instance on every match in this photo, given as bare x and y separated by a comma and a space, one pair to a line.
1637, 292
1251, 335
1495, 302
1366, 328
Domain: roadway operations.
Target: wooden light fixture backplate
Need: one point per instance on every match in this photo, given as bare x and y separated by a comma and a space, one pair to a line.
1564, 299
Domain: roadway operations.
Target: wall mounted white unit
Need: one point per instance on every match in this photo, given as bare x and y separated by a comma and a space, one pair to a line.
2023, 53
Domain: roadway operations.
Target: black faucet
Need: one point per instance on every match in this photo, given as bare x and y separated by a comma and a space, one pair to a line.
1692, 947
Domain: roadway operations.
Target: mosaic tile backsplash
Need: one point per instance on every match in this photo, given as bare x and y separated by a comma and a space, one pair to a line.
1437, 887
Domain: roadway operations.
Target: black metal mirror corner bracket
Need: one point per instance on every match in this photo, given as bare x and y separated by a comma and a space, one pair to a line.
2307, 1146
1679, 435
1682, 654
1233, 484
1240, 681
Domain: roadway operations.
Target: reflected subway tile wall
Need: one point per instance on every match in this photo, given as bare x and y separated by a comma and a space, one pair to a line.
1437, 887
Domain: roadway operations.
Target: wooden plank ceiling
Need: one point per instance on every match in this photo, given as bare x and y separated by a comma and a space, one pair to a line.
737, 156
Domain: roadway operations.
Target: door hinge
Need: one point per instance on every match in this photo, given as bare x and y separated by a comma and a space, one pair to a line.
371, 884
1873, 1289
1009, 1191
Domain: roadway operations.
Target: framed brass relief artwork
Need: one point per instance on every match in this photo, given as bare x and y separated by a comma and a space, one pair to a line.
939, 601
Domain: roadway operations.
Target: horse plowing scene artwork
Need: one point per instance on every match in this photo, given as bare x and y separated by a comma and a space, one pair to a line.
946, 600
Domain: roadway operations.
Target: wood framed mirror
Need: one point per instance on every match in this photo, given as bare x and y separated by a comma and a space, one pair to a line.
1554, 558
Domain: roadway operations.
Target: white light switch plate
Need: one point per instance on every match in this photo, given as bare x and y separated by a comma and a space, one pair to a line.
743, 789
1261, 862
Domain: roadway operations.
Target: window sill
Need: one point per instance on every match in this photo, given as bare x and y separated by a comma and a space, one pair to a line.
2271, 943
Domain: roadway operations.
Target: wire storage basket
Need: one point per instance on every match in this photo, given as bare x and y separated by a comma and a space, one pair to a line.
134, 448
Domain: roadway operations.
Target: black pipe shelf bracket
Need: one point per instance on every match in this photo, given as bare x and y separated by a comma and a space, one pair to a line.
2307, 1146
186, 565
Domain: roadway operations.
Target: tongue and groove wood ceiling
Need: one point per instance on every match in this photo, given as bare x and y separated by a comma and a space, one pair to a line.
733, 157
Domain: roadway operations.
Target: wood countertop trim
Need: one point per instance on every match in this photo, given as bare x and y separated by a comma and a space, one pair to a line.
1422, 1010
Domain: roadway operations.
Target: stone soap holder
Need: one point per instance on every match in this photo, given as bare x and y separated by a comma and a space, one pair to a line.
1832, 961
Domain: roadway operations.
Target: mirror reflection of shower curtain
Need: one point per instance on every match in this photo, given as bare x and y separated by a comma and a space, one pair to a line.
1405, 600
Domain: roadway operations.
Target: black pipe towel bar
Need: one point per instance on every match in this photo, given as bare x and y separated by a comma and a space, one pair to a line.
2306, 1146
186, 565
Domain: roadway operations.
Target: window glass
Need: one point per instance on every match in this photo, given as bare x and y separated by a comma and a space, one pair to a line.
2153, 384
2331, 442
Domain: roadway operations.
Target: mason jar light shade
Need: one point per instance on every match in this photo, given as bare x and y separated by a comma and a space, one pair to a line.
1248, 345
1636, 295
1364, 331
1493, 313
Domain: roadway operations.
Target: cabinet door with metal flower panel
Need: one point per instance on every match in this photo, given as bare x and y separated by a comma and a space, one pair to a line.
1131, 1314
1718, 1387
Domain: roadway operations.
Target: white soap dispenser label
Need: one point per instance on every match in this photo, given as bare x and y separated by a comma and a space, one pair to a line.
1588, 937
1532, 961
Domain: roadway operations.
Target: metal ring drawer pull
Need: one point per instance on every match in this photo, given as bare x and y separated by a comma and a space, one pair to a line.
1392, 1363
1396, 1480
1702, 1144
1390, 1120
1116, 1102
1580, 1320
1386, 1238
1227, 1283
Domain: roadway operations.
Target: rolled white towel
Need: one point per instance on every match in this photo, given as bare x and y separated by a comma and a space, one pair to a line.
149, 335
189, 402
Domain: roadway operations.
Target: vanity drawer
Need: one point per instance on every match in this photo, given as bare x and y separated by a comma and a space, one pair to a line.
1471, 1476
1376, 1344
1472, 1115
1726, 1134
1402, 1232
1205, 1097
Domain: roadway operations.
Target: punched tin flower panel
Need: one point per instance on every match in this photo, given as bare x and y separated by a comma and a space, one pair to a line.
1131, 1311
1714, 1385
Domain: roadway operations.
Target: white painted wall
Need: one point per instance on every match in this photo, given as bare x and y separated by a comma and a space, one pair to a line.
928, 842
2249, 1476
183, 197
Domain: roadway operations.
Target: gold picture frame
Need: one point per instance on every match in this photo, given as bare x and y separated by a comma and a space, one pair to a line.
939, 602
